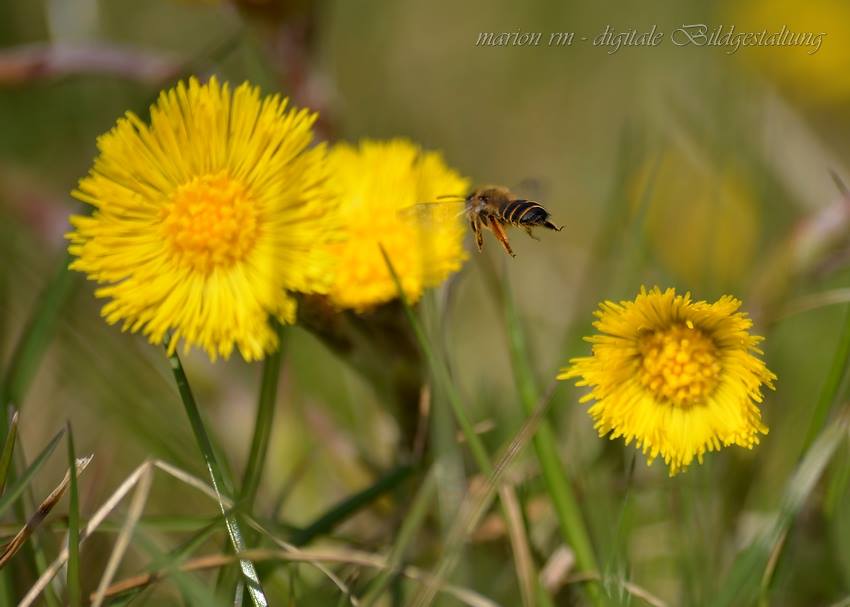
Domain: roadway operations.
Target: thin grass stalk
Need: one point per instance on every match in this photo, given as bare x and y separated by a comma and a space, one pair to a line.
75, 596
122, 542
262, 425
26, 477
6, 587
255, 589
34, 340
25, 503
8, 450
832, 384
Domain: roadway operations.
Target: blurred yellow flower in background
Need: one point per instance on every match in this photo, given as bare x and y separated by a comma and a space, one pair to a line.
817, 77
379, 185
204, 220
702, 223
678, 377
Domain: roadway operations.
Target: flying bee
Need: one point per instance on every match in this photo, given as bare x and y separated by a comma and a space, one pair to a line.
495, 208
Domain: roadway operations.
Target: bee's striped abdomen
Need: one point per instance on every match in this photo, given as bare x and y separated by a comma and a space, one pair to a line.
524, 212
533, 215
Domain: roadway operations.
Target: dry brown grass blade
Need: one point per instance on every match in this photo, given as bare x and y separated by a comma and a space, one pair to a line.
40, 514
633, 589
197, 483
523, 561
137, 507
95, 521
116, 498
342, 557
201, 486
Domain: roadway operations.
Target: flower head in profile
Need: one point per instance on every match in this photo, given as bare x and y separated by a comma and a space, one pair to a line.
380, 186
678, 377
204, 220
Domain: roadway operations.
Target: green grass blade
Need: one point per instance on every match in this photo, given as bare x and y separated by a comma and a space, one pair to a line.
183, 552
255, 589
23, 481
74, 591
262, 425
8, 450
351, 505
34, 340
743, 582
834, 380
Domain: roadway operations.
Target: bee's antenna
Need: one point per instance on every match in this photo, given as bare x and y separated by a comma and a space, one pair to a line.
448, 196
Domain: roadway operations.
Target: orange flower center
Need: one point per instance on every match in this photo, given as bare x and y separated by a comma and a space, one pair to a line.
679, 365
211, 222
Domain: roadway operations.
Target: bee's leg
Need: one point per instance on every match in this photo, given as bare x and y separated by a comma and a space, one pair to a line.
500, 235
475, 226
529, 232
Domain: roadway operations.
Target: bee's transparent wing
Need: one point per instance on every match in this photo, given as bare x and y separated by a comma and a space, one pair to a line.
439, 230
429, 214
532, 188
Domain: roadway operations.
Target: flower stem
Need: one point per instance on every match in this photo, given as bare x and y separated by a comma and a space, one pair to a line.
255, 590
262, 425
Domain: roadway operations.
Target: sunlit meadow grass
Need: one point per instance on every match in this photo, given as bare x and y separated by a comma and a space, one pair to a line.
408, 444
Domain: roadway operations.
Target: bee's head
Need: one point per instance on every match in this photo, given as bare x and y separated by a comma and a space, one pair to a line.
476, 197
487, 195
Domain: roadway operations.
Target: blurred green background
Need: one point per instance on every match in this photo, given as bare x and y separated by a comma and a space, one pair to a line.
686, 167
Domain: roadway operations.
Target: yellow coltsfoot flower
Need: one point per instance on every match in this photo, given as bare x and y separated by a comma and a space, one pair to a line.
677, 377
378, 184
205, 219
